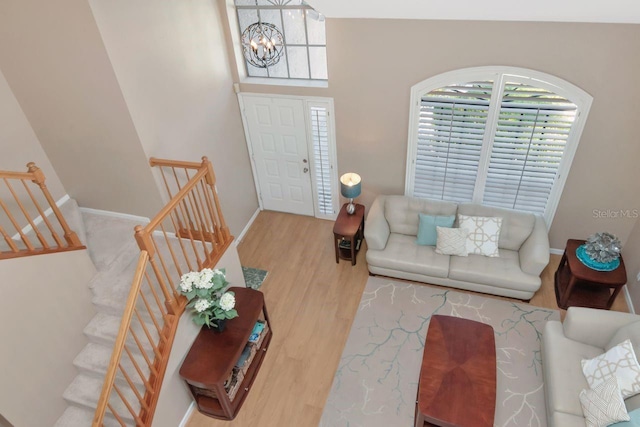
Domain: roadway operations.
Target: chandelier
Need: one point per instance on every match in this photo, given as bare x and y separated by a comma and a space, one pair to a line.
262, 44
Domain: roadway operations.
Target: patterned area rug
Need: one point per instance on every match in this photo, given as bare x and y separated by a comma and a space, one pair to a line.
377, 379
254, 277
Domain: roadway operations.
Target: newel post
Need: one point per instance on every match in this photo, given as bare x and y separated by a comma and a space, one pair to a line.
38, 178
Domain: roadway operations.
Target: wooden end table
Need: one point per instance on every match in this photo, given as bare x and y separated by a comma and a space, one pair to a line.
580, 286
348, 233
457, 385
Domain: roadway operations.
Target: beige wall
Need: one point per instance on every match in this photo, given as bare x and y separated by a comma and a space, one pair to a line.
170, 59
49, 315
55, 62
631, 256
19, 144
374, 63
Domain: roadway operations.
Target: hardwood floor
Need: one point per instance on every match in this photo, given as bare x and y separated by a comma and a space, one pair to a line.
312, 302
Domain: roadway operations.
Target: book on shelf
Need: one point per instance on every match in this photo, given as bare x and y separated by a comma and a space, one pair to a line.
346, 244
257, 331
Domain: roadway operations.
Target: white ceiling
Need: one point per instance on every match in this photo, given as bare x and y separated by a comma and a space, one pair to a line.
613, 11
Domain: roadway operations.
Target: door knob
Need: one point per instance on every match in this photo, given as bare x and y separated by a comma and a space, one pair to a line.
304, 160
305, 170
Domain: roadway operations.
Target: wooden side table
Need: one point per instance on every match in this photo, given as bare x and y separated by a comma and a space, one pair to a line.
348, 233
580, 286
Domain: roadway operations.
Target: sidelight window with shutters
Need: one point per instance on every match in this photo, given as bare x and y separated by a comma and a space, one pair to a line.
499, 136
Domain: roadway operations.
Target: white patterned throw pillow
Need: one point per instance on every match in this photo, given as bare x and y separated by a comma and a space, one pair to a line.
451, 241
620, 362
484, 233
603, 405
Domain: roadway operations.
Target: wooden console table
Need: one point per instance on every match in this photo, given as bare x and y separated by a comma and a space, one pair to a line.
348, 231
210, 366
580, 286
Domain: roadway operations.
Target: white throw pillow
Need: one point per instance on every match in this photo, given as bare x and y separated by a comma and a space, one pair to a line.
603, 405
451, 241
484, 233
620, 362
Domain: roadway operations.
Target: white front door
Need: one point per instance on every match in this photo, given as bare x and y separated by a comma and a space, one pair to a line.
278, 138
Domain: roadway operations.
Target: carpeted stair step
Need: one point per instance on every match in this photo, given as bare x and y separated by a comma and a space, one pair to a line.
84, 392
94, 360
103, 329
75, 416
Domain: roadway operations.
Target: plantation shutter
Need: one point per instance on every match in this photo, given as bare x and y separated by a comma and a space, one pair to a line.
450, 133
321, 159
530, 138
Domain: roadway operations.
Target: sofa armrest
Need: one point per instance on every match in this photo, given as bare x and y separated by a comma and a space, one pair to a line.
594, 327
376, 231
534, 252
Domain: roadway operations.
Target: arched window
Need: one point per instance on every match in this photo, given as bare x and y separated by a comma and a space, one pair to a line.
499, 136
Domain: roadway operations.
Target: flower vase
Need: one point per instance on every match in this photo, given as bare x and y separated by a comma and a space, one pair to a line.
218, 325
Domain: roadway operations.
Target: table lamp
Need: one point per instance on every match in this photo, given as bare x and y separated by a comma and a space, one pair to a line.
350, 189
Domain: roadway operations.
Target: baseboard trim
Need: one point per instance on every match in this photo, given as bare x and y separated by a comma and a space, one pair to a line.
247, 227
554, 251
120, 215
187, 415
627, 298
38, 220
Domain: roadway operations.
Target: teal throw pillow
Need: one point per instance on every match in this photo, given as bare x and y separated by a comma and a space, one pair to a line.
633, 422
427, 234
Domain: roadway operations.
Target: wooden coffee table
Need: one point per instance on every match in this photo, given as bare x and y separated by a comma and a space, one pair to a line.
458, 377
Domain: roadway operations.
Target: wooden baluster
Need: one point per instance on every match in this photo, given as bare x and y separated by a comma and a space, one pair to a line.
193, 245
9, 240
164, 269
153, 317
40, 237
176, 227
116, 415
173, 255
54, 235
24, 238
187, 217
169, 301
143, 352
145, 381
202, 205
154, 346
166, 183
155, 297
133, 388
38, 178
211, 180
200, 227
133, 413
212, 215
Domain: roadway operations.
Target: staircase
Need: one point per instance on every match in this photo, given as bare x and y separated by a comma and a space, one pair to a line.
121, 369
113, 249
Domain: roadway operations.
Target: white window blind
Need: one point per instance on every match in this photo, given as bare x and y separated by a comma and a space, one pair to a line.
450, 133
500, 136
530, 138
321, 159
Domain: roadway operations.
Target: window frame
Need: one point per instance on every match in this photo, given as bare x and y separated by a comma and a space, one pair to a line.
500, 75
240, 62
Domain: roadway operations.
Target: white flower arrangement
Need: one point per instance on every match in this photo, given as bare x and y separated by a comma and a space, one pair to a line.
208, 300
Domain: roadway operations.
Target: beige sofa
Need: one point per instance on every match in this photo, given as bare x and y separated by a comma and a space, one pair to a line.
391, 230
585, 334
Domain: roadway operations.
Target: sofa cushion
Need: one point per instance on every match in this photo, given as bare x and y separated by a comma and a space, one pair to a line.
484, 234
603, 405
516, 226
561, 362
620, 362
452, 241
503, 272
402, 212
401, 253
427, 235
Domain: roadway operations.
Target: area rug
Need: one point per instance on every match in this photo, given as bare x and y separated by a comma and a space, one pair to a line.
377, 380
254, 277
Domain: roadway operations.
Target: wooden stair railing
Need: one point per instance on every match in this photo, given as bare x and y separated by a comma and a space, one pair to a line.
188, 234
20, 205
